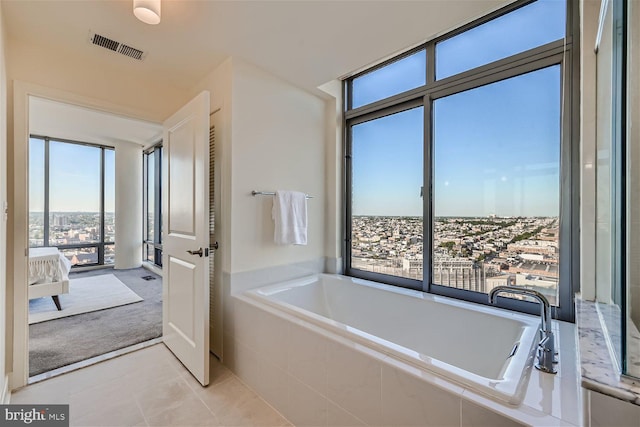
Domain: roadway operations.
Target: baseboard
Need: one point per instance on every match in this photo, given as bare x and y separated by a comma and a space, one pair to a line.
6, 393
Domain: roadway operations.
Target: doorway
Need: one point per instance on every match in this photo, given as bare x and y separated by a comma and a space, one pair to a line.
84, 243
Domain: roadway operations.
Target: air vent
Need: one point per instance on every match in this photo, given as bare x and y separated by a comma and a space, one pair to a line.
130, 51
105, 42
116, 46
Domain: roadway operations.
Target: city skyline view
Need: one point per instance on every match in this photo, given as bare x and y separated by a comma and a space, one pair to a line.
472, 253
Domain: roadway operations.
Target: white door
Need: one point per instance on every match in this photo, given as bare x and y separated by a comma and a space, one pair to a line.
185, 238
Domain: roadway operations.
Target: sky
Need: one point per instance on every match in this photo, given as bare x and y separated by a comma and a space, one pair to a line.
496, 148
74, 177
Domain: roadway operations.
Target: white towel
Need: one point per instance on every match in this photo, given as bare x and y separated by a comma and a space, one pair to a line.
290, 216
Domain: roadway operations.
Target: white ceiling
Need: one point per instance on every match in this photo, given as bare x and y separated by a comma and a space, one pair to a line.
59, 120
307, 43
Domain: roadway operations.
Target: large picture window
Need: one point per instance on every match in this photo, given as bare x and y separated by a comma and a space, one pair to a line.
465, 182
72, 198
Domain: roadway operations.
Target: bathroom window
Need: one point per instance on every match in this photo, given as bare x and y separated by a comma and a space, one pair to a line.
496, 185
457, 186
528, 27
386, 232
382, 83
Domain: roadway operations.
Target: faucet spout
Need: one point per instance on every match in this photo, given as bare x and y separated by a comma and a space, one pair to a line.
546, 350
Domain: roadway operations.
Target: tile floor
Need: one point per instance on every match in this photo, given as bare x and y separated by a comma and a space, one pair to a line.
150, 387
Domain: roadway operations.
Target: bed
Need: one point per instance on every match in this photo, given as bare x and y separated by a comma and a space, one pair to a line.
48, 274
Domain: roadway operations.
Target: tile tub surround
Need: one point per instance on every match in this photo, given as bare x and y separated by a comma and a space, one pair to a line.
315, 377
597, 368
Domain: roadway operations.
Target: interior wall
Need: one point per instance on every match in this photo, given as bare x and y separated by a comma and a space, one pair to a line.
633, 146
278, 137
334, 179
3, 217
128, 206
589, 12
605, 161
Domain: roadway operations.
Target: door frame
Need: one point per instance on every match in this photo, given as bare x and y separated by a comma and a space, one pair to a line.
18, 227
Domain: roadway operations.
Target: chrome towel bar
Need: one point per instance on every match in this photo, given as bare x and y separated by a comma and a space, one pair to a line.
271, 193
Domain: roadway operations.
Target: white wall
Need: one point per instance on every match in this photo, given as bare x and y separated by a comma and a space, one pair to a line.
334, 232
128, 209
3, 223
278, 139
271, 136
589, 11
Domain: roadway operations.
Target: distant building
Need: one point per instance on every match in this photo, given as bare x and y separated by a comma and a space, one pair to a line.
80, 259
461, 273
60, 220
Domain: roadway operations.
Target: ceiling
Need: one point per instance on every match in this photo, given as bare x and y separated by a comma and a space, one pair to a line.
307, 43
59, 120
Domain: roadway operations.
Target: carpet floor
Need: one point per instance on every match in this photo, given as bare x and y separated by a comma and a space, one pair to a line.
68, 340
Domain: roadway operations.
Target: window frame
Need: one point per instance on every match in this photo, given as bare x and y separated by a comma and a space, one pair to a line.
562, 52
156, 242
100, 246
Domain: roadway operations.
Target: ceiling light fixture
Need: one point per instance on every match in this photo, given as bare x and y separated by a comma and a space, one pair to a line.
148, 11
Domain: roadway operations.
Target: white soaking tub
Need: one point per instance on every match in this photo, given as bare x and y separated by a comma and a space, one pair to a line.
481, 348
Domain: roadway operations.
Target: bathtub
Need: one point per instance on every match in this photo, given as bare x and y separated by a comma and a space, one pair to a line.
486, 350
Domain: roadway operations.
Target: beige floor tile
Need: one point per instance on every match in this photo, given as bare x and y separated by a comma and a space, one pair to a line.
187, 412
125, 413
163, 396
93, 399
218, 373
226, 396
254, 412
235, 404
151, 387
42, 395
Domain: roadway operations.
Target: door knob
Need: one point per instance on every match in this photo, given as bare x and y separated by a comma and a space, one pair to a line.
214, 245
198, 252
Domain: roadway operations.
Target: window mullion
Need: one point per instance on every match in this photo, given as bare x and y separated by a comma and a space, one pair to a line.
427, 220
431, 63
102, 197
157, 188
46, 192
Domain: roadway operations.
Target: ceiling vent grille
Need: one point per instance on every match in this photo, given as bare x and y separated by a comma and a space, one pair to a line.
116, 46
131, 51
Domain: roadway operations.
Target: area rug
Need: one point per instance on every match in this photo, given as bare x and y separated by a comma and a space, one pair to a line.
85, 295
68, 340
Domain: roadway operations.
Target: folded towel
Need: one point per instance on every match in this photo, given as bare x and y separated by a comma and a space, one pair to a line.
290, 216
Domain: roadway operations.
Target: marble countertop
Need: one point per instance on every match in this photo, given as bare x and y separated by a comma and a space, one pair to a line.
597, 368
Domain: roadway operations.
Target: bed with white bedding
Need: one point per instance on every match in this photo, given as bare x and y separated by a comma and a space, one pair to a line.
48, 274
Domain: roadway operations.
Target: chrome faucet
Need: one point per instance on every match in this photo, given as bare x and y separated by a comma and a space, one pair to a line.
546, 346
